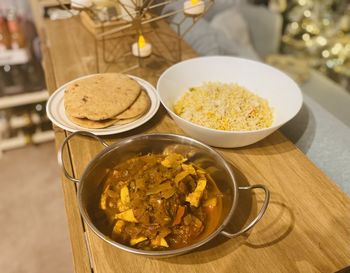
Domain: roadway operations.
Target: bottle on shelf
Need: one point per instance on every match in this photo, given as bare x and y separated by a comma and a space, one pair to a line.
34, 76
4, 130
12, 80
5, 38
45, 124
16, 33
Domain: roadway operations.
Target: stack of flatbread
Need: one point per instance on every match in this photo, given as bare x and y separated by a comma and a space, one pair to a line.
103, 100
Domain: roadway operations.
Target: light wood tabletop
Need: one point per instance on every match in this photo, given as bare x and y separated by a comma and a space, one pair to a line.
306, 227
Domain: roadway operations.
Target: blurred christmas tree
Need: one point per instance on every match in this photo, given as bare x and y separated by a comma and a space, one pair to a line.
319, 30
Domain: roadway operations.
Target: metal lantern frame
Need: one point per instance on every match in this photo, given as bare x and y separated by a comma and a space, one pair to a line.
109, 42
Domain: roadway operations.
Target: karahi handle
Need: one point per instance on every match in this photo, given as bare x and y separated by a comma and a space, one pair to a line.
65, 143
258, 217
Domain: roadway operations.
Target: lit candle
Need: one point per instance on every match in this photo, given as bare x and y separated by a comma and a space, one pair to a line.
194, 7
141, 48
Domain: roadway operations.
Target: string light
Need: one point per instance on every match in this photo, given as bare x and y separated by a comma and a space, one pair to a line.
325, 22
316, 31
306, 36
325, 54
294, 25
321, 40
336, 48
307, 13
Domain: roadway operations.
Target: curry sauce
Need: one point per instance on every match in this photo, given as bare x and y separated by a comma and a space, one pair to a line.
159, 201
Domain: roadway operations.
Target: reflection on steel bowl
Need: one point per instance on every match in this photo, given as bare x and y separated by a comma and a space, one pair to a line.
152, 168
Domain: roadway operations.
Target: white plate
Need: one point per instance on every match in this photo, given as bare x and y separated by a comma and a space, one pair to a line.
56, 112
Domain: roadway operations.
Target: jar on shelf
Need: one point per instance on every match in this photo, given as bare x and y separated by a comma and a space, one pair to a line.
16, 33
5, 38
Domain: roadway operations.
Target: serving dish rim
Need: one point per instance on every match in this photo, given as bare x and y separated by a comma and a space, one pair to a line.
156, 253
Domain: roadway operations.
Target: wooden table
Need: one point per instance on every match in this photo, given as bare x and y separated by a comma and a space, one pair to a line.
305, 229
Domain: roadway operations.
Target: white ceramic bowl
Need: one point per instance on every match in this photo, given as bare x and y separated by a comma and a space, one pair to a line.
282, 93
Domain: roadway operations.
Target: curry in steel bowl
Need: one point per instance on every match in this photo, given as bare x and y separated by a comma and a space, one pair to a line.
159, 201
158, 194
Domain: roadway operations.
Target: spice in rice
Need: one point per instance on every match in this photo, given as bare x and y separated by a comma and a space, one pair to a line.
223, 106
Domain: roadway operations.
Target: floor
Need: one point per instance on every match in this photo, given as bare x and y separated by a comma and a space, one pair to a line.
34, 232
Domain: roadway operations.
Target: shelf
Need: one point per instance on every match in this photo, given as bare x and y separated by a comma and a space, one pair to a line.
43, 136
22, 121
14, 56
16, 122
23, 99
20, 141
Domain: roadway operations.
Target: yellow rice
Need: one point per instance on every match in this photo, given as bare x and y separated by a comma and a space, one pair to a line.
222, 106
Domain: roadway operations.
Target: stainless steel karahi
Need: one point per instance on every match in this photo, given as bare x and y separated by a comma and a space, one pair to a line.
90, 184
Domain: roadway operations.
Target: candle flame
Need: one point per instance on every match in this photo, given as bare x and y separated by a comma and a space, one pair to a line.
194, 2
142, 41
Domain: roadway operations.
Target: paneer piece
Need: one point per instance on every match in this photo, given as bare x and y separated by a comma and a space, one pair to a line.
180, 176
118, 227
123, 203
137, 240
163, 242
201, 184
173, 160
124, 195
194, 197
121, 206
189, 168
103, 200
127, 216
159, 241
